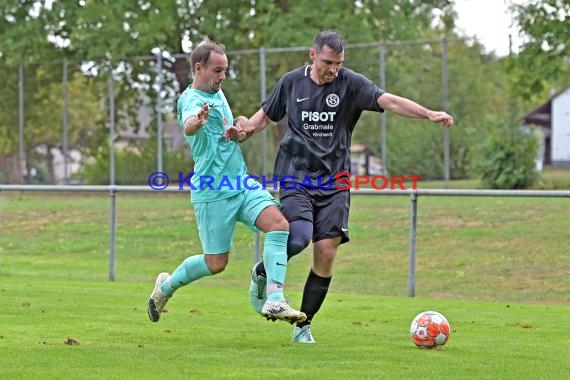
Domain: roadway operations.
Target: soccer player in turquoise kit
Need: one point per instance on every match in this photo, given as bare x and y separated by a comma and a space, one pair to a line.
323, 102
223, 198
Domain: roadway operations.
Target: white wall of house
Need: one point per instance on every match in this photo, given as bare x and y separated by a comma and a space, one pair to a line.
560, 148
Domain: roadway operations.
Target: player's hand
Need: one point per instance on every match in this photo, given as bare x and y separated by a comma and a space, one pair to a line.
240, 131
202, 115
441, 117
235, 134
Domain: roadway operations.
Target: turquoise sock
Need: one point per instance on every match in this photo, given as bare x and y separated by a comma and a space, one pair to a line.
191, 269
275, 259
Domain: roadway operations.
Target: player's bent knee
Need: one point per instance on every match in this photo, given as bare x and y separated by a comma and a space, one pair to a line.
217, 263
278, 222
296, 245
215, 269
271, 219
281, 224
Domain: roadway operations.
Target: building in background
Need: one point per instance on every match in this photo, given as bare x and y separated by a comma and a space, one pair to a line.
553, 118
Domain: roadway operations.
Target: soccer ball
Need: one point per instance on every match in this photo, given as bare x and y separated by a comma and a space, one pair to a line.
430, 329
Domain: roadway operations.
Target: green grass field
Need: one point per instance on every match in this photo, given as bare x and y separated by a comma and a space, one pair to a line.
497, 268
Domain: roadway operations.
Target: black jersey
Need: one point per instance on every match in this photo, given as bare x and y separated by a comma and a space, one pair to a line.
321, 119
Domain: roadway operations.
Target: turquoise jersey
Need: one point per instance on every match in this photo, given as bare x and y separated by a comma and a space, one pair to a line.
219, 167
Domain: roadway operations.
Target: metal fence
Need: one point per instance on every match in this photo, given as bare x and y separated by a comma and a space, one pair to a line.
97, 109
414, 195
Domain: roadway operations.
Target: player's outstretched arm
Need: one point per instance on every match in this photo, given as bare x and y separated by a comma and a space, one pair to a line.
194, 122
408, 108
259, 121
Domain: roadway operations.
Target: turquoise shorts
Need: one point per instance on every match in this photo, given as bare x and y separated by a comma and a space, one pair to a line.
216, 220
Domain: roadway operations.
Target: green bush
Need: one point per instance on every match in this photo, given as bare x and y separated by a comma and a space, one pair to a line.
509, 161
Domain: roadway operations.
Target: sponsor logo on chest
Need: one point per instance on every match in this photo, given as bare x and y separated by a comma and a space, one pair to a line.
322, 120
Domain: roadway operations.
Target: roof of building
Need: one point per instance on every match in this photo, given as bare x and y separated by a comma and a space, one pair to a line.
542, 114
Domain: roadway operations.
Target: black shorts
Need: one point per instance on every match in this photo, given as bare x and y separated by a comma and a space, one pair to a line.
328, 213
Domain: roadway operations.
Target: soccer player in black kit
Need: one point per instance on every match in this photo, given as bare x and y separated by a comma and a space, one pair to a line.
323, 102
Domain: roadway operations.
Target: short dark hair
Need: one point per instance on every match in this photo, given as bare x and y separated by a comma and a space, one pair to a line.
202, 52
330, 38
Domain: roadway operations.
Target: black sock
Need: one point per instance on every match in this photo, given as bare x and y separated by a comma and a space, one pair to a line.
316, 289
